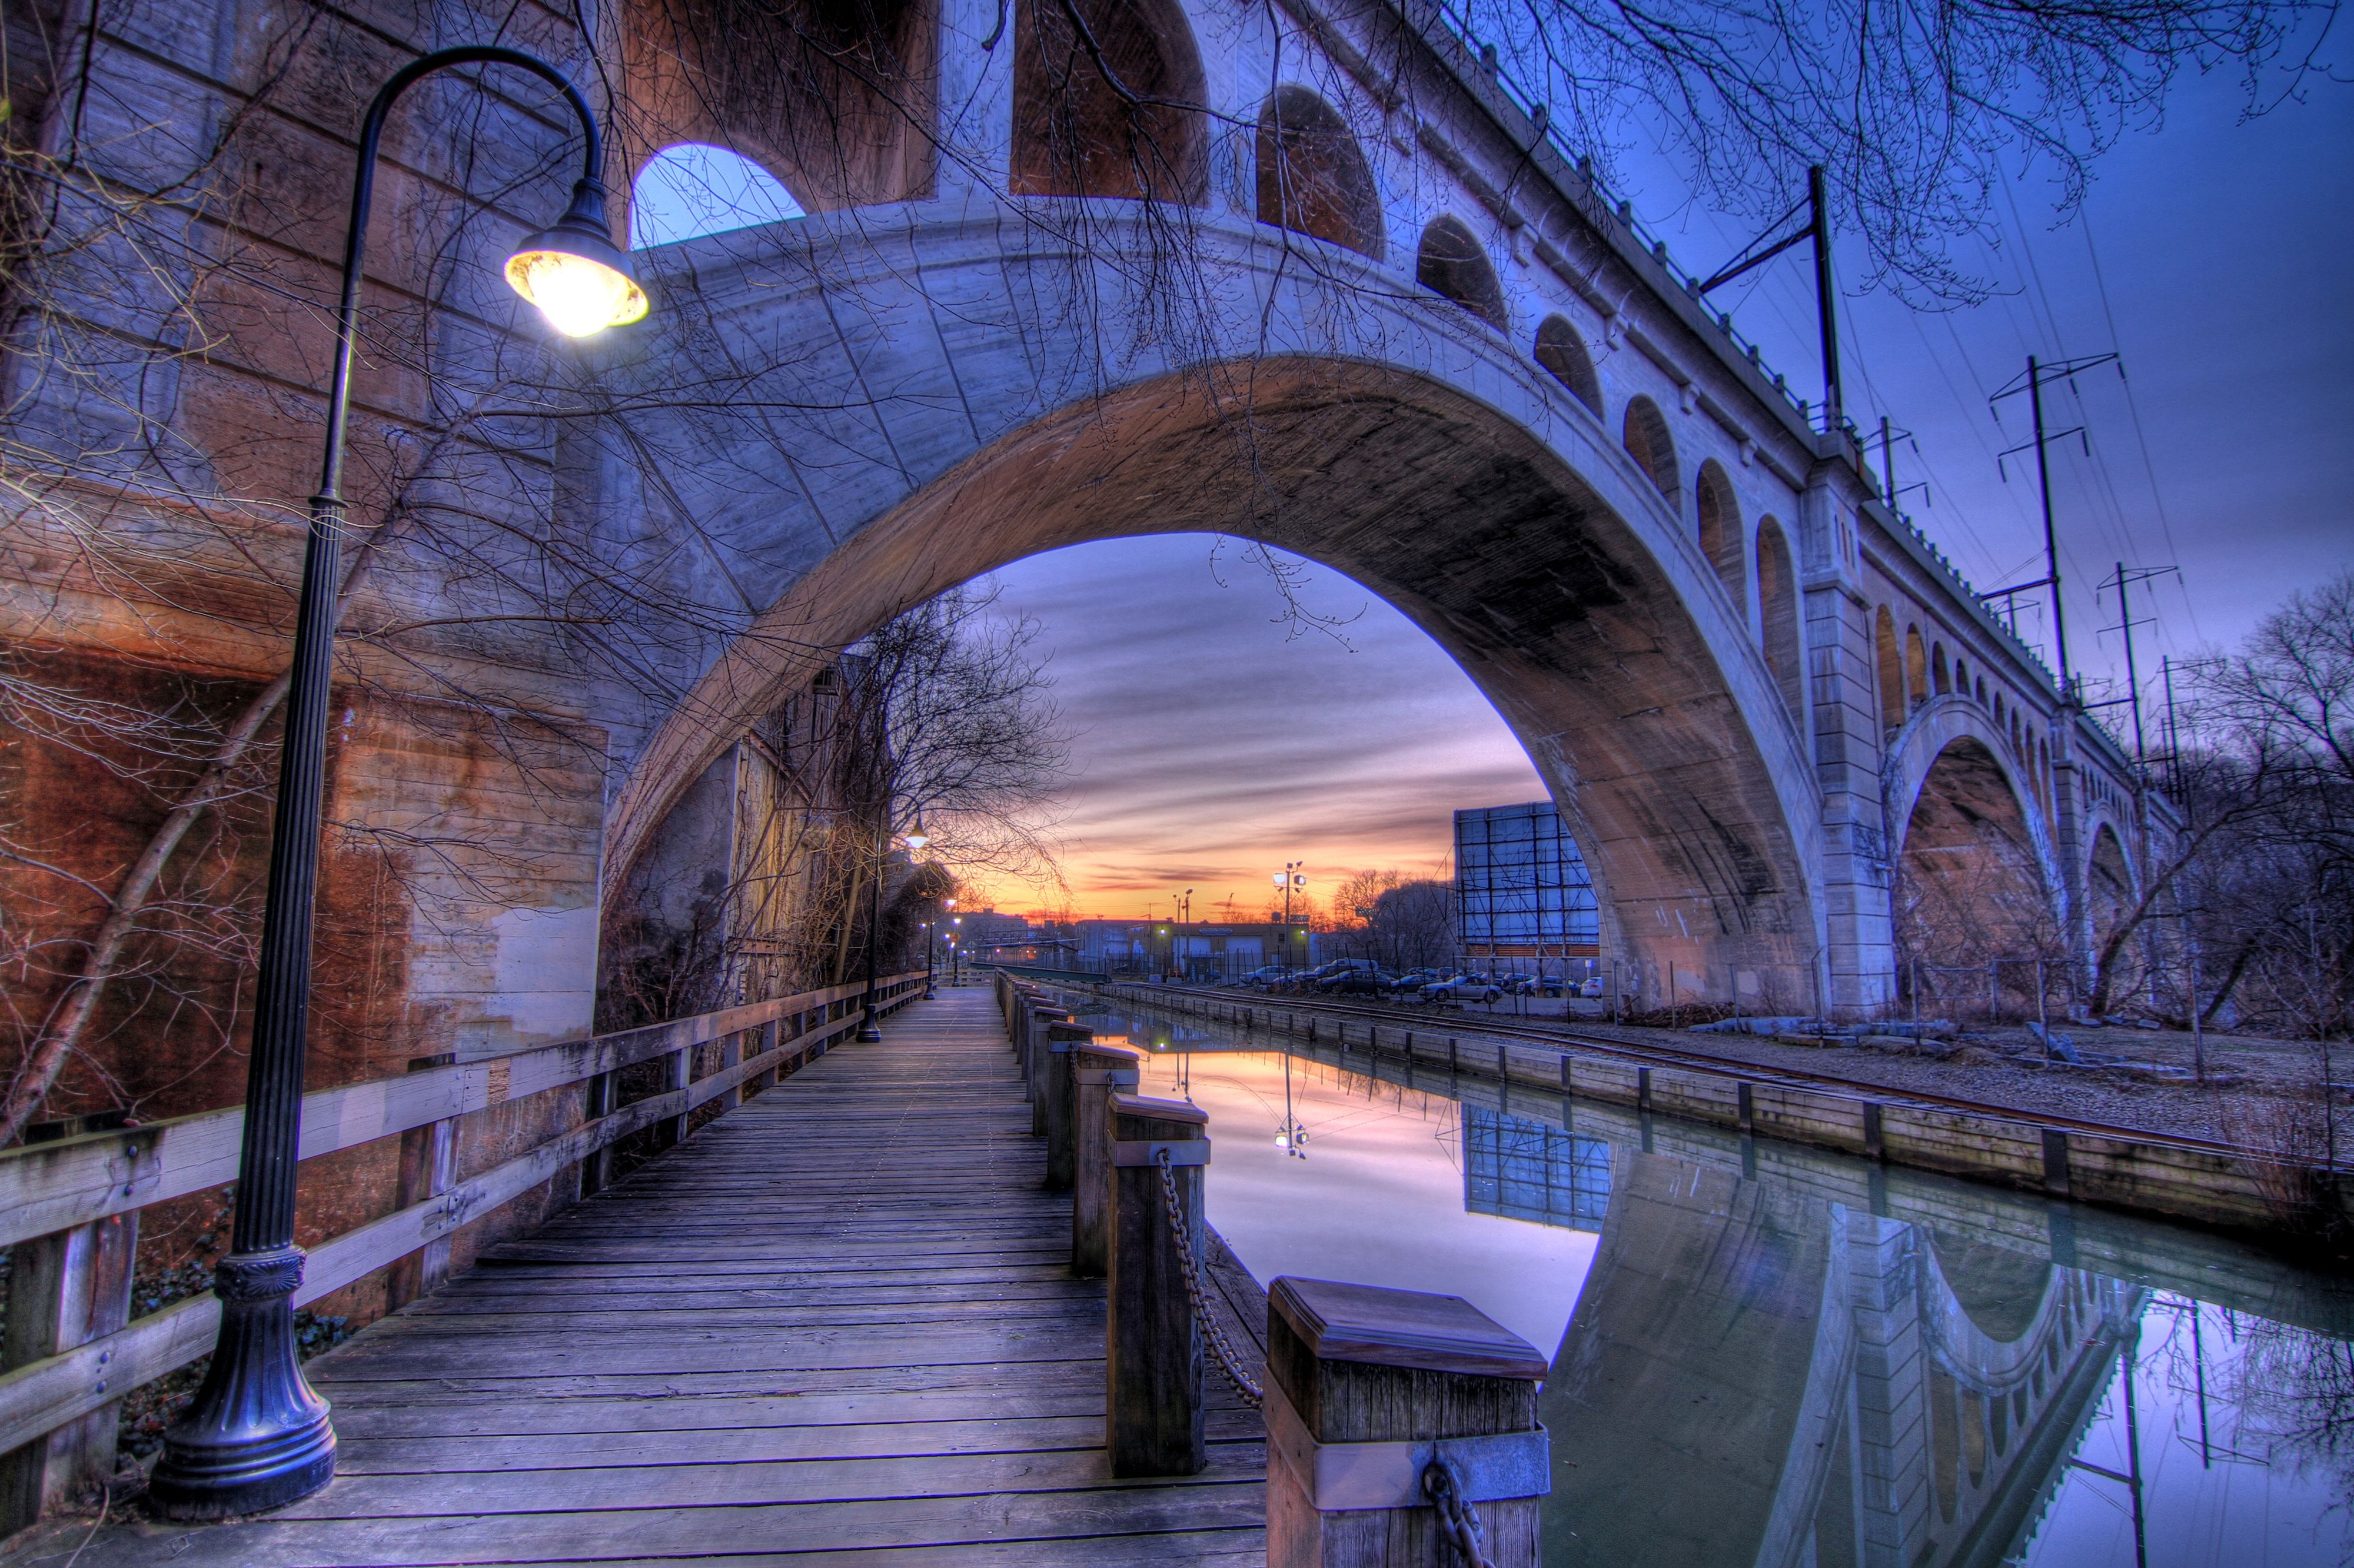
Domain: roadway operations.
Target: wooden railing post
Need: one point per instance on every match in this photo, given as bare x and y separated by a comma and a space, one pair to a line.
1036, 1018
731, 1052
678, 1071
1367, 1389
604, 1099
1152, 1347
1060, 1059
65, 1289
770, 1035
1102, 1072
428, 1164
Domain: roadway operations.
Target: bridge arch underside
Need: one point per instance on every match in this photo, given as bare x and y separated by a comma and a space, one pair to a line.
1971, 884
1472, 527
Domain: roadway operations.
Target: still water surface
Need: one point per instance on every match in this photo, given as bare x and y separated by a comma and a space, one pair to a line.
1769, 1355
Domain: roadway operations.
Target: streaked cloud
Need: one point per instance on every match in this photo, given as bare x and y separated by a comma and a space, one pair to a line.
1217, 738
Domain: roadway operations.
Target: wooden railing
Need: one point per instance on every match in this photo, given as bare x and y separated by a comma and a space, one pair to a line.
69, 1207
1400, 1426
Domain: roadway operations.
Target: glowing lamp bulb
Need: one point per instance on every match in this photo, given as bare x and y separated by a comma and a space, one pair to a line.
574, 273
1281, 1141
580, 296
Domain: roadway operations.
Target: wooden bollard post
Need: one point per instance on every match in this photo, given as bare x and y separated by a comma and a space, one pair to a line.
1059, 1093
1034, 1060
1100, 1072
1152, 1347
1367, 1388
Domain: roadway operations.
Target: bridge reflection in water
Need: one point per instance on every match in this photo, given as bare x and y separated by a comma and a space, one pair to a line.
1779, 1357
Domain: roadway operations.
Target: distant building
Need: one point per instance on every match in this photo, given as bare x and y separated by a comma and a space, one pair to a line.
1522, 889
1202, 949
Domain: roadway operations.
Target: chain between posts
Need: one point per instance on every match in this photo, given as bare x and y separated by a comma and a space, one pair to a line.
1223, 1349
1457, 1521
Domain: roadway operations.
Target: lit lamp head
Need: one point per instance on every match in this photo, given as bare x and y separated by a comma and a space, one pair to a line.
574, 273
916, 836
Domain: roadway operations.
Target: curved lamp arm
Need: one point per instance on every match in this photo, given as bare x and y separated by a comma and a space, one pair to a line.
592, 183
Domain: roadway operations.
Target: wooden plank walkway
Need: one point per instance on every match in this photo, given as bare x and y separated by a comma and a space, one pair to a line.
838, 1322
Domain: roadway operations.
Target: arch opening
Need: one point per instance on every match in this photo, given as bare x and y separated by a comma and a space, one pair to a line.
690, 189
2108, 885
1648, 442
1452, 262
1916, 667
1130, 126
1889, 662
1778, 595
1568, 621
1561, 350
1721, 533
1312, 175
833, 99
1970, 885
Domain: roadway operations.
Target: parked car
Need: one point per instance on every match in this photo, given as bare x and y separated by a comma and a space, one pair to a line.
1272, 974
1413, 981
1462, 988
1592, 989
1518, 984
1355, 982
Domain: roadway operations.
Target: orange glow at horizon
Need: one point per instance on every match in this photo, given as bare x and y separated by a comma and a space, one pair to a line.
1214, 742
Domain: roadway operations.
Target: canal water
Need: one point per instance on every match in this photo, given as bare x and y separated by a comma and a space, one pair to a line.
1764, 1354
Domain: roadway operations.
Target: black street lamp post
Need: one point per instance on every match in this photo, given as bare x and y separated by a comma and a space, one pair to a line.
257, 1436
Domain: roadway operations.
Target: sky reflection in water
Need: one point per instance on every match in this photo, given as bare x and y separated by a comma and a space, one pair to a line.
1751, 1369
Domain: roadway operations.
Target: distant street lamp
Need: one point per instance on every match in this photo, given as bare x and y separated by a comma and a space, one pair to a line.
1289, 878
257, 1436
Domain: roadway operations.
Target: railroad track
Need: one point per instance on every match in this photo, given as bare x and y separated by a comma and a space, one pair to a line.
1695, 1061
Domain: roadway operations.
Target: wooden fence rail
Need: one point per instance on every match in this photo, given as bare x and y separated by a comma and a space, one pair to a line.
49, 1192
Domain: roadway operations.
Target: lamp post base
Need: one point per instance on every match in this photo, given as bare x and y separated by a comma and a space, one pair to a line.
257, 1436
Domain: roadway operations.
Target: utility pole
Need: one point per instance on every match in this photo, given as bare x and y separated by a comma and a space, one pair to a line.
1826, 302
1817, 229
2040, 376
1890, 489
2173, 735
2122, 581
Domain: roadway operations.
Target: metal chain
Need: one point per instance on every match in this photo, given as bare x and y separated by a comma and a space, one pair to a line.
1222, 1348
1458, 1521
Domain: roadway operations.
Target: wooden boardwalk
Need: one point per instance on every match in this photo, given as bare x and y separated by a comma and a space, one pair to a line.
839, 1322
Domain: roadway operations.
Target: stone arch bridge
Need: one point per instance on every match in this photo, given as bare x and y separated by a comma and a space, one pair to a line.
1368, 314
1307, 274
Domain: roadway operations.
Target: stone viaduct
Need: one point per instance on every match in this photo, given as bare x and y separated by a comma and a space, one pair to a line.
1325, 284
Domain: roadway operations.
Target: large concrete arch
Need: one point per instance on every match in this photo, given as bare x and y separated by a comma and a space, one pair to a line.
1977, 878
1417, 452
1934, 728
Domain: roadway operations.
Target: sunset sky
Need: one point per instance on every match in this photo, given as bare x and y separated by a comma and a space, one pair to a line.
1216, 742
